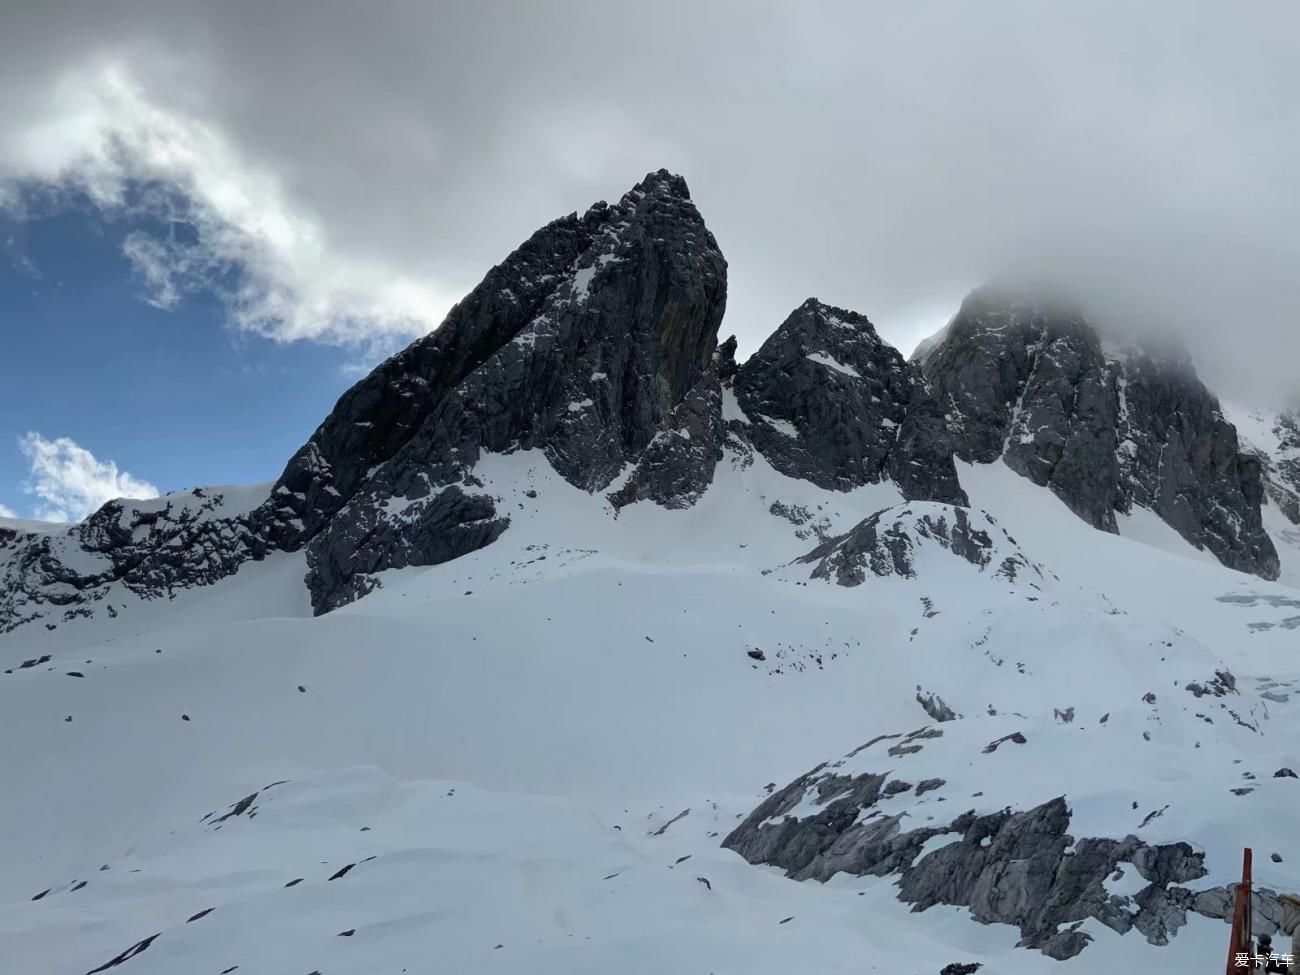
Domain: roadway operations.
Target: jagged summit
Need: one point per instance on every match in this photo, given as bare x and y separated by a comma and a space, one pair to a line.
646, 269
1036, 386
837, 316
582, 343
661, 181
832, 403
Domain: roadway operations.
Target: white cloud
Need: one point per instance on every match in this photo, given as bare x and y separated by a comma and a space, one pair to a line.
7, 512
71, 482
98, 132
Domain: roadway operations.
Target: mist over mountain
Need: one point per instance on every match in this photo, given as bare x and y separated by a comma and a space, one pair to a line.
362, 173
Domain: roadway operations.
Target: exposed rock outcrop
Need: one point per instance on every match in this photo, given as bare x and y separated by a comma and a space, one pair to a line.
888, 543
149, 549
831, 403
935, 706
1011, 867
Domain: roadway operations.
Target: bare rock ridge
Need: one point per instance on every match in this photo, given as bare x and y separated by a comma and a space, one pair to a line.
149, 548
1033, 384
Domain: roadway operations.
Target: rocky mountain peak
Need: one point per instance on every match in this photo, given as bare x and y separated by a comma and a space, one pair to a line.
661, 183
988, 350
646, 270
594, 337
830, 402
1032, 383
586, 341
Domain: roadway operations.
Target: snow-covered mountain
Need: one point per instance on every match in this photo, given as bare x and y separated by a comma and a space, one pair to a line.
568, 645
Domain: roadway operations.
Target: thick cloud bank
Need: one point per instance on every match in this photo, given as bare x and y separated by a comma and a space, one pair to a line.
362, 166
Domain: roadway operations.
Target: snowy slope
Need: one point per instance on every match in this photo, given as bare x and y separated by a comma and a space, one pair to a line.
480, 767
31, 526
596, 600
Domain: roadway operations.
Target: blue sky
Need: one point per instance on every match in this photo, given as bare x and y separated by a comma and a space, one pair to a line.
174, 396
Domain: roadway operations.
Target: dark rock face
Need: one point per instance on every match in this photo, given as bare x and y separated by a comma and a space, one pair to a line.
1031, 383
1187, 467
677, 464
450, 524
935, 706
593, 342
885, 544
831, 403
1020, 868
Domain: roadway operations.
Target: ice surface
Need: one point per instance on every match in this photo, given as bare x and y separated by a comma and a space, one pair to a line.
824, 359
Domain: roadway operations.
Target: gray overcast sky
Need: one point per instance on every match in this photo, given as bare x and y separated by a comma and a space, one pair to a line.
367, 163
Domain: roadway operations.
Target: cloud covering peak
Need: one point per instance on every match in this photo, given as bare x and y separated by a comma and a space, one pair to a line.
361, 172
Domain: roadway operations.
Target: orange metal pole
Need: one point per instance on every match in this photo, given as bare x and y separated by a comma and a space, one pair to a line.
1241, 921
